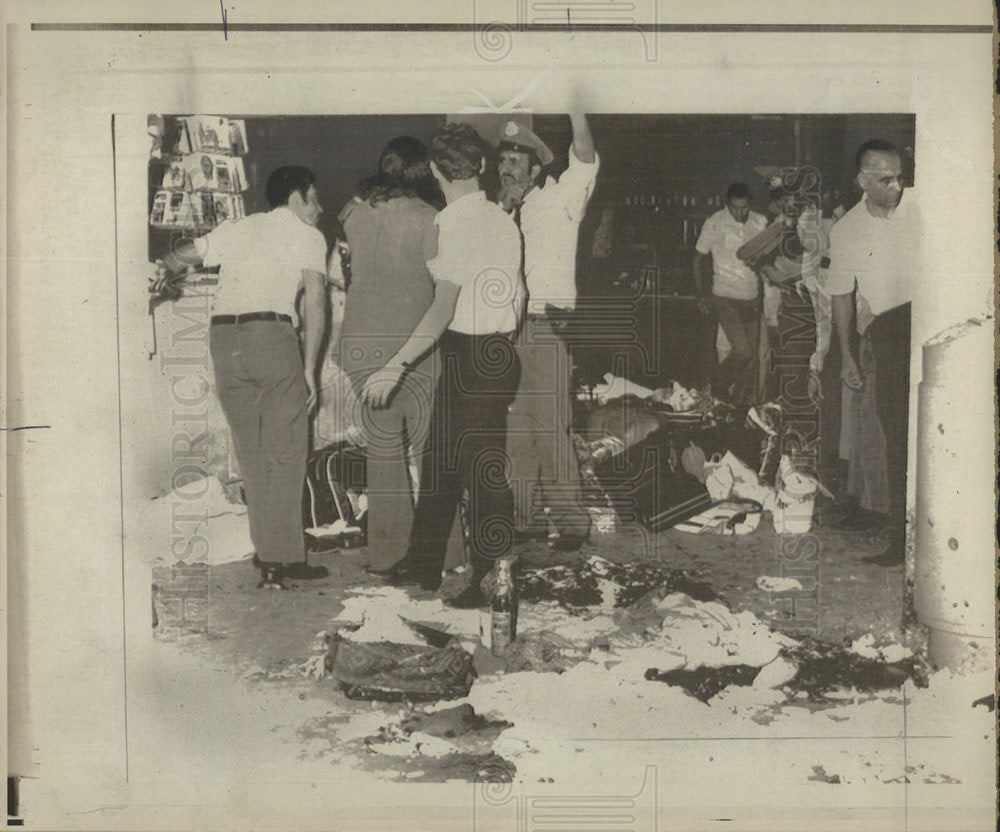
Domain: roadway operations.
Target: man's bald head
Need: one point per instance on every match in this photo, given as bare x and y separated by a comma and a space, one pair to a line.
880, 175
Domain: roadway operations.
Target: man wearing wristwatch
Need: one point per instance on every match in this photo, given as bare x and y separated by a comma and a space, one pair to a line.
478, 292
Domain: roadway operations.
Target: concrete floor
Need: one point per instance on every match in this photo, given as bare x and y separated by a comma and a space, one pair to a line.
234, 729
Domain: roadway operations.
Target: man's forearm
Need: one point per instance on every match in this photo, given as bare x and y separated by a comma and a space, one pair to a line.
583, 141
842, 308
313, 323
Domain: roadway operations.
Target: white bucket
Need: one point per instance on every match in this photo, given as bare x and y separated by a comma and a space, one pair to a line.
794, 503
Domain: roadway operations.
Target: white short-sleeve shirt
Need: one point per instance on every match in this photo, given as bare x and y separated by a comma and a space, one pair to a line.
550, 223
721, 236
479, 249
876, 254
262, 259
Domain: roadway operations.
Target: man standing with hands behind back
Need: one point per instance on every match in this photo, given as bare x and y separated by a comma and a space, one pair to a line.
544, 468
473, 315
265, 390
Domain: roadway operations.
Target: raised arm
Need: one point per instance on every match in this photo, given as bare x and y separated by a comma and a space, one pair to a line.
583, 141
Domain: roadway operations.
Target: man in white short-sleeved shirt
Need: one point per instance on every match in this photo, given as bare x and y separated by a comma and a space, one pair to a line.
544, 464
478, 296
265, 390
874, 266
735, 291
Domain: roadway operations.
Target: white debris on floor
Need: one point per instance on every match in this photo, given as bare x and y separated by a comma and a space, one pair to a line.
196, 522
377, 613
703, 633
770, 583
889, 653
565, 722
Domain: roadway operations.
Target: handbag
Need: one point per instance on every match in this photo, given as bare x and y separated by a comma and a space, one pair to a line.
392, 672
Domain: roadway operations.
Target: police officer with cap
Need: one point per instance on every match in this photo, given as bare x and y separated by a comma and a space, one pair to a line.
544, 470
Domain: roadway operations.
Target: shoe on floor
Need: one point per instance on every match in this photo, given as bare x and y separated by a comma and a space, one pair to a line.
400, 567
270, 578
270, 574
431, 583
472, 598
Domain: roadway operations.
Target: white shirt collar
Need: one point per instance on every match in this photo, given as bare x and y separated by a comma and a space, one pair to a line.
468, 201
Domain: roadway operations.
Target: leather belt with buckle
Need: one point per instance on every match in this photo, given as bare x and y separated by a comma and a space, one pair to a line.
251, 316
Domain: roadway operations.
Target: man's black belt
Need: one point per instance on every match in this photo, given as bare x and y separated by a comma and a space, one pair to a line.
554, 315
250, 316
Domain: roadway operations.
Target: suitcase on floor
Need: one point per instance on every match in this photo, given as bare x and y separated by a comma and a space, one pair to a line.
648, 484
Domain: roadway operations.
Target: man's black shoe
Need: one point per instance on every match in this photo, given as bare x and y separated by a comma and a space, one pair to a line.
270, 578
400, 567
399, 574
430, 584
472, 598
270, 574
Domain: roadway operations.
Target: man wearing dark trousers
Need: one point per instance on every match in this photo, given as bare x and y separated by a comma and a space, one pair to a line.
478, 295
734, 293
265, 389
874, 266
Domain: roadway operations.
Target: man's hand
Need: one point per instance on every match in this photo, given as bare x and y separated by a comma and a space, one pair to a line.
850, 376
381, 385
312, 396
157, 281
704, 305
165, 285
814, 388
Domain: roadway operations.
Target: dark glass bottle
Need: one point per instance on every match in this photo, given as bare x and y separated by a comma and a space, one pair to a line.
503, 610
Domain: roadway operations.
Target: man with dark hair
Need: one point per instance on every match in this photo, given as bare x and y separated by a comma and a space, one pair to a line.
544, 467
477, 290
873, 268
265, 391
392, 235
735, 291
